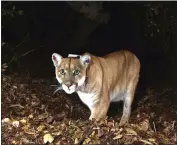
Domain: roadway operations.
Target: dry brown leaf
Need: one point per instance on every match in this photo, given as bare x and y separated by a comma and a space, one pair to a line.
101, 122
50, 119
134, 139
151, 132
14, 142
25, 140
48, 138
51, 126
15, 123
26, 127
95, 142
96, 128
6, 120
45, 131
42, 116
110, 124
152, 139
113, 129
100, 133
93, 133
78, 134
76, 141
40, 128
23, 121
15, 87
107, 129
118, 136
167, 130
87, 140
71, 131
130, 131
30, 132
30, 116
120, 130
138, 115
57, 133
145, 141
145, 125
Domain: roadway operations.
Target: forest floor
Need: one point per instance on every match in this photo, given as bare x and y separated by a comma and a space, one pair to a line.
31, 114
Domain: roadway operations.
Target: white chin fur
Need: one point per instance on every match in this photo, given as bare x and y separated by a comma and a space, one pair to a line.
69, 90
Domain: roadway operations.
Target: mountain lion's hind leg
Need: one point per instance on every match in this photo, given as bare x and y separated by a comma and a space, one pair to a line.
128, 99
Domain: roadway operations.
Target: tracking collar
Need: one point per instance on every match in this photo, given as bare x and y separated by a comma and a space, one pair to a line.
74, 55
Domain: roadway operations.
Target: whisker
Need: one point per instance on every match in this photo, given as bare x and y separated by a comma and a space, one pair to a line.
58, 89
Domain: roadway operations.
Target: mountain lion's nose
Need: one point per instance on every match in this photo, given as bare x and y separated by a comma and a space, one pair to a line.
68, 84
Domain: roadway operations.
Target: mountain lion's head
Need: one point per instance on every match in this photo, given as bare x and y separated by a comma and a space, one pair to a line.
70, 72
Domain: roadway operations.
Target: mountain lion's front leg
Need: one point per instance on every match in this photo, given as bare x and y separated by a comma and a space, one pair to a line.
100, 110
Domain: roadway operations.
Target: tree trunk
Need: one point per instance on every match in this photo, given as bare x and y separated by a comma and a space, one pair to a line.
81, 34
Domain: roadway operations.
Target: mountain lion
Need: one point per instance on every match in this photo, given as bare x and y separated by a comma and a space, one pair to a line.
100, 80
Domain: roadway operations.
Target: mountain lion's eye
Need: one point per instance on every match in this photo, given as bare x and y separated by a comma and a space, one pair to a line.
62, 71
76, 72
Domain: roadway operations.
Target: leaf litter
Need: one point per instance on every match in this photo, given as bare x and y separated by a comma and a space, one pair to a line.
31, 114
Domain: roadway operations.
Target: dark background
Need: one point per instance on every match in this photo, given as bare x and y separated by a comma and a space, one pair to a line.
148, 29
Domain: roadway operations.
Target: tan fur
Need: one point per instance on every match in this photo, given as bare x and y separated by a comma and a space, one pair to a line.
111, 78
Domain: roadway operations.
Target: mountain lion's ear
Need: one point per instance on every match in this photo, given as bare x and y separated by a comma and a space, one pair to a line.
56, 58
85, 59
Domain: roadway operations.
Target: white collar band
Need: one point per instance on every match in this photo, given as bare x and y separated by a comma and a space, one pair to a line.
74, 55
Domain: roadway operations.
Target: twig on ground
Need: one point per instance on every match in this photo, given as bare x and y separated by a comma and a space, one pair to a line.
154, 127
173, 125
88, 132
16, 105
108, 137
